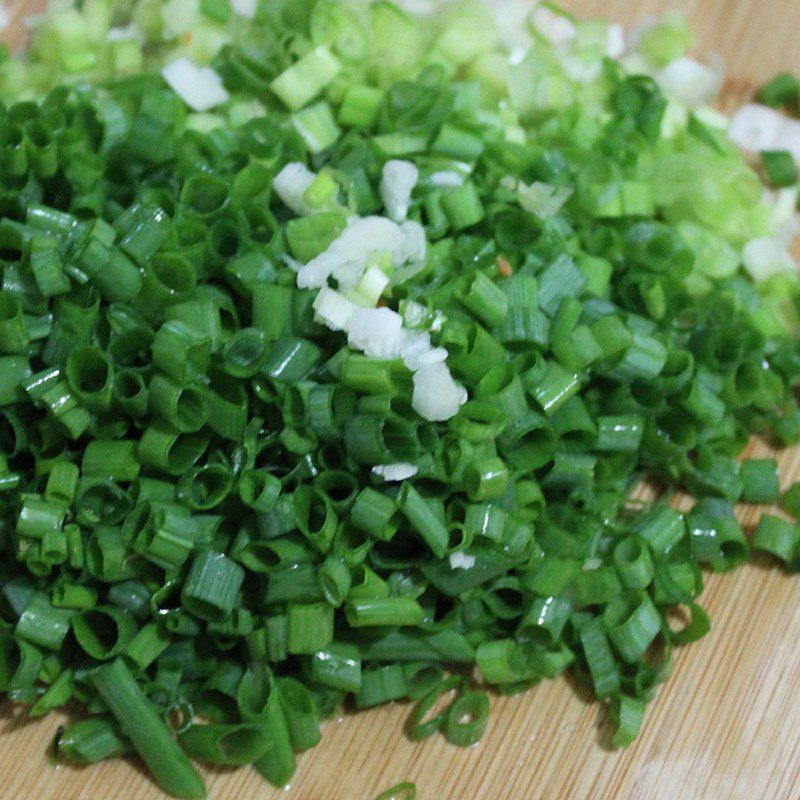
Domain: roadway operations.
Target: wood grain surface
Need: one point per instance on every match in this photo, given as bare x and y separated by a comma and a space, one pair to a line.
725, 727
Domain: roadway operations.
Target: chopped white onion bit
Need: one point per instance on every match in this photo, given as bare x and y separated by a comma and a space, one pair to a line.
397, 182
244, 8
348, 275
436, 355
178, 17
358, 260
556, 28
765, 257
377, 332
415, 361
755, 127
5, 17
414, 245
354, 245
414, 314
421, 7
639, 28
785, 219
579, 68
517, 55
395, 472
615, 44
543, 199
199, 87
417, 351
128, 33
461, 561
446, 178
511, 19
789, 138
691, 82
291, 183
333, 310
370, 287
436, 396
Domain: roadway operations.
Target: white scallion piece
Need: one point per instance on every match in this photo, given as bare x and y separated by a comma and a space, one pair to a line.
421, 7
199, 87
356, 243
511, 18
397, 182
395, 472
436, 396
755, 127
127, 33
461, 561
556, 28
414, 314
446, 178
579, 68
370, 288
765, 257
178, 17
785, 219
691, 82
377, 332
414, 245
5, 16
436, 355
615, 43
348, 275
244, 8
291, 183
543, 199
415, 349
416, 360
333, 310
438, 320
789, 138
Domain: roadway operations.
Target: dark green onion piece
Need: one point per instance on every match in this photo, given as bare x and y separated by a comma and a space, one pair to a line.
401, 791
91, 740
421, 725
140, 722
258, 701
225, 745
790, 501
782, 90
760, 480
103, 631
777, 536
780, 167
338, 666
628, 714
302, 718
212, 586
466, 719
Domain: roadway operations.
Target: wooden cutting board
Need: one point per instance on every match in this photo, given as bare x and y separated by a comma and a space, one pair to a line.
725, 727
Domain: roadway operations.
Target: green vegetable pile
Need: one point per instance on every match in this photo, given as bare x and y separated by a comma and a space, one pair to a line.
224, 516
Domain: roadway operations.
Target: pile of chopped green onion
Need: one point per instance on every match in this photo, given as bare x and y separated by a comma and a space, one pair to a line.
333, 341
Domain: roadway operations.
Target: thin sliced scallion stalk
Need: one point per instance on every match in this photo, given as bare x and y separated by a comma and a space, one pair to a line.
140, 722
